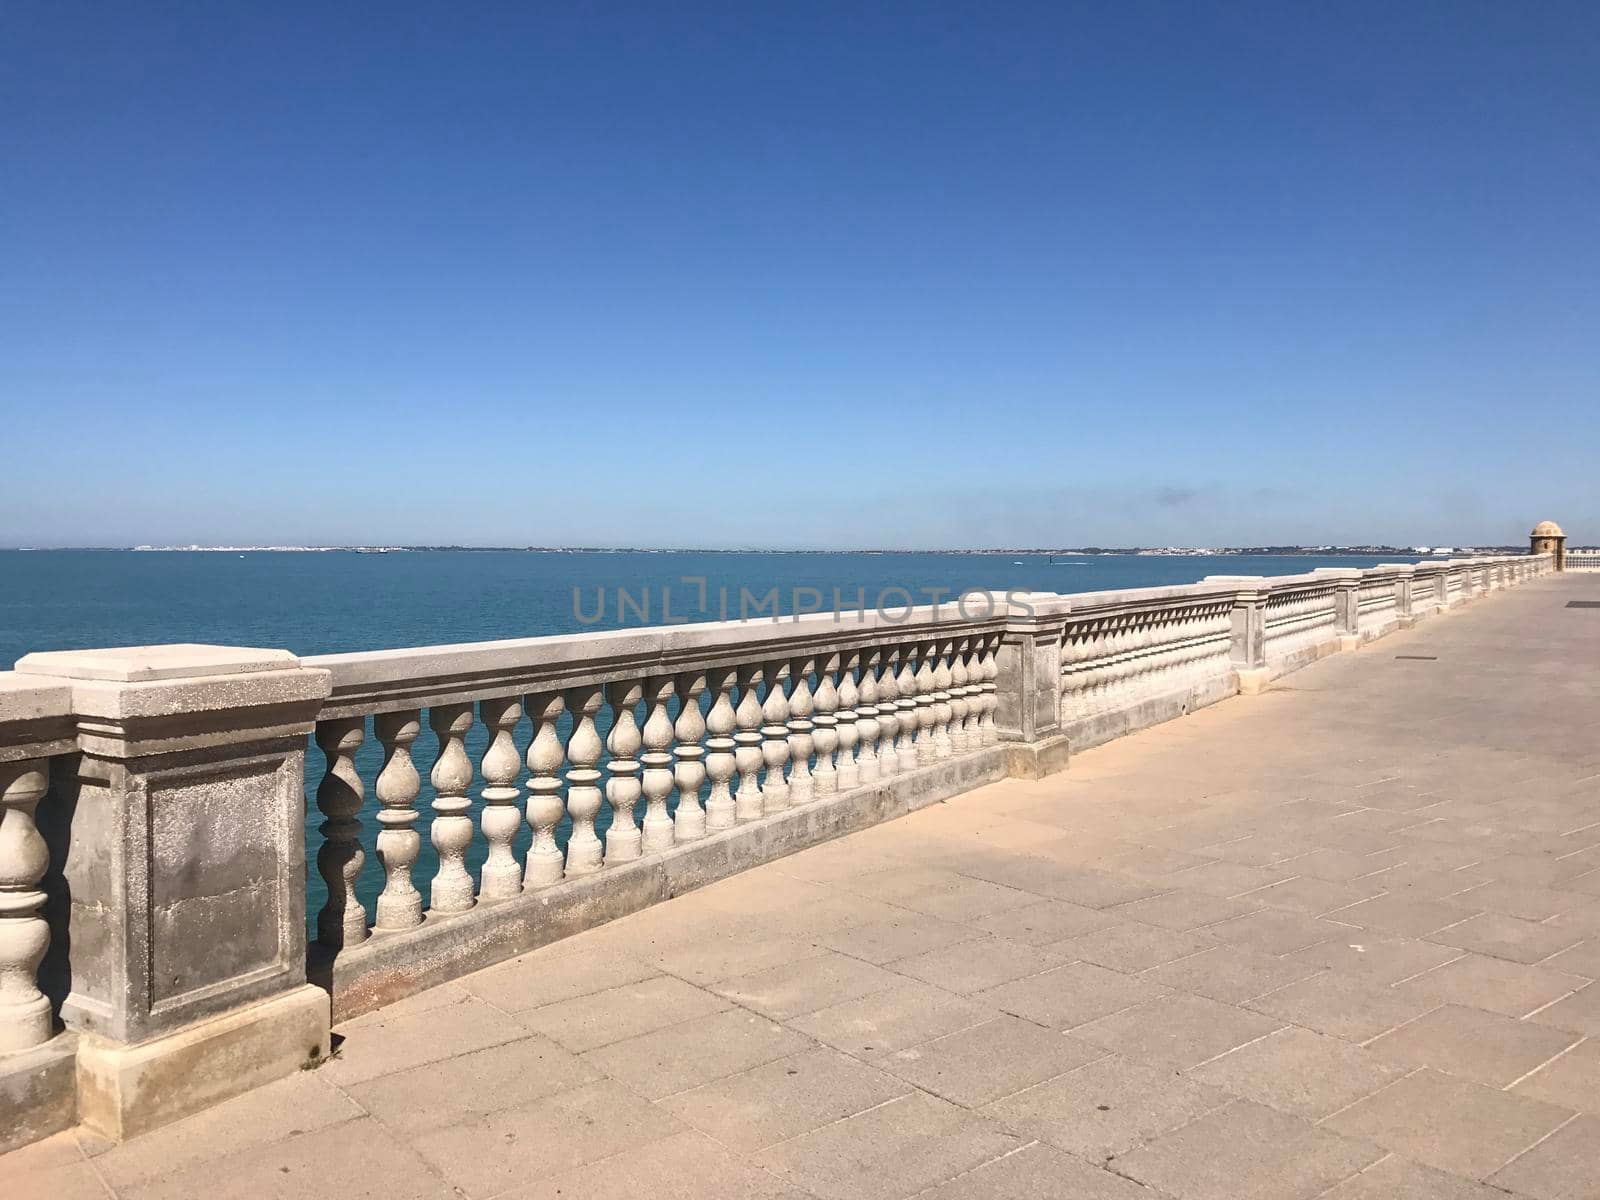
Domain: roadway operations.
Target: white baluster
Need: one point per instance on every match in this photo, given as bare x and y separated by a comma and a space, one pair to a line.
942, 709
867, 717
926, 718
774, 738
991, 672
657, 760
720, 759
501, 878
545, 810
801, 785
342, 921
747, 742
905, 744
1097, 647
399, 904
959, 708
624, 842
451, 831
888, 714
689, 768
826, 737
24, 934
846, 718
583, 797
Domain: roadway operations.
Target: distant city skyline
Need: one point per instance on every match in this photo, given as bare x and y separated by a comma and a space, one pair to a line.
800, 277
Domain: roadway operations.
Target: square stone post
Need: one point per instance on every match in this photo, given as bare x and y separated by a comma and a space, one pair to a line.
1403, 574
1427, 582
185, 875
1028, 688
1248, 643
1346, 603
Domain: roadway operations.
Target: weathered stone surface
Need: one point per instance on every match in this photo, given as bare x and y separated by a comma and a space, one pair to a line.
142, 664
38, 1092
126, 1090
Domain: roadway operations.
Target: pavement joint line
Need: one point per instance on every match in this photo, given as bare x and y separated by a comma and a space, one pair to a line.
1553, 1058
1536, 1011
1362, 1099
1170, 961
1529, 1149
1541, 961
1430, 970
1402, 1025
1378, 1162
1101, 1017
94, 1168
1263, 887
1452, 925
988, 1162
915, 1090
1243, 1045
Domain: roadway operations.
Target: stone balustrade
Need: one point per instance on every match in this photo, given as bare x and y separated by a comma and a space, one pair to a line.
1300, 622
1381, 600
1583, 560
655, 758
1123, 651
154, 949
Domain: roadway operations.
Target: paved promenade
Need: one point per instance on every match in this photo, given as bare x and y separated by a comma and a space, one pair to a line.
1337, 940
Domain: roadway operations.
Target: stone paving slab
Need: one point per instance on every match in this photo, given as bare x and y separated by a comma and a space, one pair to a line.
1340, 940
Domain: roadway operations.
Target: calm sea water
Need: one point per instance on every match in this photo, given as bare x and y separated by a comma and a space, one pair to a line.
315, 603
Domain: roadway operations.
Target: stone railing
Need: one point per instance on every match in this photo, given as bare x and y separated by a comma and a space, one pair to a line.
1583, 560
1123, 652
154, 949
658, 759
1379, 601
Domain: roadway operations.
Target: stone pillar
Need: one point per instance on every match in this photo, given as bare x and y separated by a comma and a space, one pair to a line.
1247, 646
185, 871
1427, 583
38, 1085
1346, 603
1027, 711
1403, 575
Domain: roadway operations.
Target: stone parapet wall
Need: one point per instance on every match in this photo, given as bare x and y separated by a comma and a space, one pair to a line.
153, 923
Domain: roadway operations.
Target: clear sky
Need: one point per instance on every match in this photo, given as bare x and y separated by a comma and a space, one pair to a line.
810, 275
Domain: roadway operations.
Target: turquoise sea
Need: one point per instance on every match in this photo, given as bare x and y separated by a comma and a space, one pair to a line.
315, 603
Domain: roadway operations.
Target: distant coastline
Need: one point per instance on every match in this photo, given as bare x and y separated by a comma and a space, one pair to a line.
1072, 551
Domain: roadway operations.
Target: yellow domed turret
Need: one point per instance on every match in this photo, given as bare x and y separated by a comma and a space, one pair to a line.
1547, 538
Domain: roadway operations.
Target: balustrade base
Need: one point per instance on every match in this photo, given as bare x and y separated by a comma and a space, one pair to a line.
1035, 760
126, 1090
1352, 641
1303, 657
38, 1092
384, 969
1372, 633
1252, 681
1152, 710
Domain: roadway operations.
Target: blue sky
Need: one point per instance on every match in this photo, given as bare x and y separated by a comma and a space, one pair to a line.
818, 275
